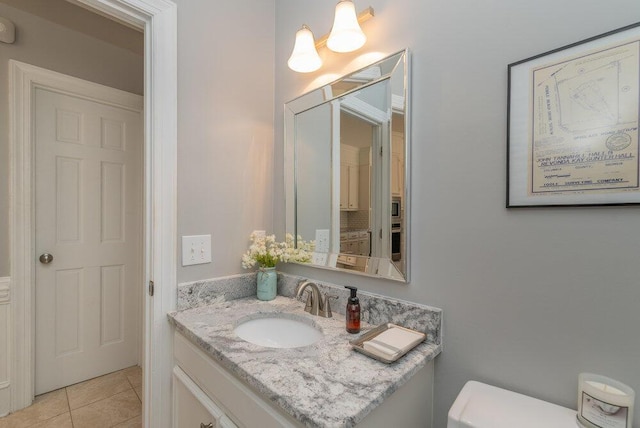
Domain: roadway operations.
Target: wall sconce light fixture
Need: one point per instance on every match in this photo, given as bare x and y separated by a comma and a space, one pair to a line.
346, 36
7, 31
304, 58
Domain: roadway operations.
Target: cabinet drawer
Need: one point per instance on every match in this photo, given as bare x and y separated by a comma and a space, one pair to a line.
238, 401
191, 407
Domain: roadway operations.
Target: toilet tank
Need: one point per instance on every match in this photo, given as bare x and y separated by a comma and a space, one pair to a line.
484, 406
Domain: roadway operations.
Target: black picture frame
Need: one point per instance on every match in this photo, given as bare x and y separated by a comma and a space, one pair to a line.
572, 124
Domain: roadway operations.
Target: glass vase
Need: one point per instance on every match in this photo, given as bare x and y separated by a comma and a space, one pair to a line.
267, 283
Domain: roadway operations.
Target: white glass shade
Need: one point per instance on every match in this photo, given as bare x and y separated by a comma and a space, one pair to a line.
346, 34
304, 58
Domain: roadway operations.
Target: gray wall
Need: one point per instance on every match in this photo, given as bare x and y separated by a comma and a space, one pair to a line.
225, 114
46, 44
313, 149
80, 19
531, 297
225, 127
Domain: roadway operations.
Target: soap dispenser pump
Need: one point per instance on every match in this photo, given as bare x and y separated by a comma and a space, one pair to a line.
353, 311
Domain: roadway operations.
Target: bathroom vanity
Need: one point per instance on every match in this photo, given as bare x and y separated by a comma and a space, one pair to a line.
221, 380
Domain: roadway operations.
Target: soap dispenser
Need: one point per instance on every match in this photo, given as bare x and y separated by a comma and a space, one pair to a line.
353, 311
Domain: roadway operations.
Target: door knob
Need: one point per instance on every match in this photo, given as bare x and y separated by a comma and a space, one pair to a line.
46, 258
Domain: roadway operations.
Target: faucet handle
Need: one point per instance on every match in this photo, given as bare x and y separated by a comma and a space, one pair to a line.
327, 305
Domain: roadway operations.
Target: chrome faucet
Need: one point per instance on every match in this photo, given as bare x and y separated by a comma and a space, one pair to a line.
317, 304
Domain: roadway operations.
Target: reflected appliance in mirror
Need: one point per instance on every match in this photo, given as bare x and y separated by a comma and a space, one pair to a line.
347, 170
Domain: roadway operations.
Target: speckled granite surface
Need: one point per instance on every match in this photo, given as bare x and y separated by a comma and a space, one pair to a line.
326, 384
376, 309
203, 293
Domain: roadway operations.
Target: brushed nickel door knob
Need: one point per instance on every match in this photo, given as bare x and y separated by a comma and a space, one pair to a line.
46, 258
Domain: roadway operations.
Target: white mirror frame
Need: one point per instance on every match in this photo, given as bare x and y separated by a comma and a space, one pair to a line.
324, 95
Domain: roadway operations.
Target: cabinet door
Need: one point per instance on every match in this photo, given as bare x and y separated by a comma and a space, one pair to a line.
363, 247
354, 178
364, 187
397, 164
344, 186
191, 407
397, 175
346, 247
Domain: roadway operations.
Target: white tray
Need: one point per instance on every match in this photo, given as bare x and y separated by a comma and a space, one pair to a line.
357, 344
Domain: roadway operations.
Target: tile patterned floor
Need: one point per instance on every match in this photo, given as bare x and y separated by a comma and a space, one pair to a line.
112, 400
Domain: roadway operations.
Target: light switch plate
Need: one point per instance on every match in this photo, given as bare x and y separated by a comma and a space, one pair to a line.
196, 249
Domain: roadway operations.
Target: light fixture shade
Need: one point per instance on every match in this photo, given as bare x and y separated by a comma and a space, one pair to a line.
304, 58
346, 34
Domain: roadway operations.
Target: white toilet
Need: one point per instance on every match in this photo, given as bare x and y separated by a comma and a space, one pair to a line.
484, 406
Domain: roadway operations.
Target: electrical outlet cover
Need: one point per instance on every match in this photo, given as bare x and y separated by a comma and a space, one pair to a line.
322, 240
319, 259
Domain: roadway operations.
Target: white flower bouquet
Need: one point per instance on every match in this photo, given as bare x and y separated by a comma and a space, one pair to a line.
266, 251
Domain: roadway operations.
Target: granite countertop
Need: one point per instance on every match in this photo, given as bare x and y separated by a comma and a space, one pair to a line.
324, 384
353, 229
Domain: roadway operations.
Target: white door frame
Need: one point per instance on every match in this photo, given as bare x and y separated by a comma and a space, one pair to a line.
158, 19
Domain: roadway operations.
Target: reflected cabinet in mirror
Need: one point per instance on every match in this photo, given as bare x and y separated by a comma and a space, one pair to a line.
347, 170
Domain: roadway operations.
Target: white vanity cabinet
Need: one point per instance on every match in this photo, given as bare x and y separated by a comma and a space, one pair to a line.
216, 388
206, 395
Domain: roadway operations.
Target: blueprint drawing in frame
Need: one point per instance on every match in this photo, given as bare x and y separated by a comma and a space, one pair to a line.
573, 116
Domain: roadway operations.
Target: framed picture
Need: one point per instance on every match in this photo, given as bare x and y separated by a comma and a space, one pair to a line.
572, 133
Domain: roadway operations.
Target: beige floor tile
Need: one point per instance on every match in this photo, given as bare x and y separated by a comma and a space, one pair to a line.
108, 412
131, 423
134, 374
138, 391
62, 421
97, 389
44, 407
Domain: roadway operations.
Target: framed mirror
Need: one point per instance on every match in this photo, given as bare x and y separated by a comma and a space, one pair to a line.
347, 170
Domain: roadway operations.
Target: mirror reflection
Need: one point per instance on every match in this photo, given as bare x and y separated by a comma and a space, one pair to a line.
346, 169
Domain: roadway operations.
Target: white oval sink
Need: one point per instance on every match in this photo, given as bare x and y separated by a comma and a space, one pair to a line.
278, 331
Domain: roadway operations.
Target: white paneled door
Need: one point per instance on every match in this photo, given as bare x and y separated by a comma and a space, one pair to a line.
88, 238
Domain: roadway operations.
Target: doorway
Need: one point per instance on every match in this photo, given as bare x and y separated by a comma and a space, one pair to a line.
159, 226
